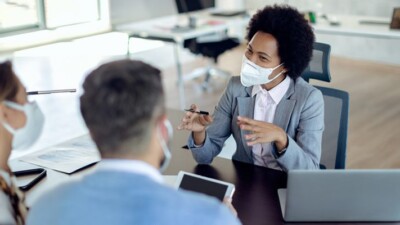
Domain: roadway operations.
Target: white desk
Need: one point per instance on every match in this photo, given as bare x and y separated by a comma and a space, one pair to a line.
162, 29
353, 38
358, 26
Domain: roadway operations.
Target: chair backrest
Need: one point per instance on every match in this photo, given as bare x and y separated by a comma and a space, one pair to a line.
334, 138
319, 65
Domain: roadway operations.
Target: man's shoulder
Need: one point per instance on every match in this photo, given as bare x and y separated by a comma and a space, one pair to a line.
202, 208
58, 193
137, 196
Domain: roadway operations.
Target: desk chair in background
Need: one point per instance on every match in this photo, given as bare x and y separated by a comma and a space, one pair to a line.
210, 46
334, 139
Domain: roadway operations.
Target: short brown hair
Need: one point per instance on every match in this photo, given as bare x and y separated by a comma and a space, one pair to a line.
8, 82
120, 100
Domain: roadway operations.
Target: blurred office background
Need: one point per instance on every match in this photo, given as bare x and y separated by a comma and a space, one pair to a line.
55, 43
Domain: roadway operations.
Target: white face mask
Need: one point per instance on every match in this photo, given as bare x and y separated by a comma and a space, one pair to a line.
252, 74
167, 153
26, 136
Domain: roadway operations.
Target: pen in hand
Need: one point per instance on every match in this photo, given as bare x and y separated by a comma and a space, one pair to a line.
199, 112
50, 91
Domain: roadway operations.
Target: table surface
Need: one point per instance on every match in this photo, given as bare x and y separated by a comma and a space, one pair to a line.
255, 198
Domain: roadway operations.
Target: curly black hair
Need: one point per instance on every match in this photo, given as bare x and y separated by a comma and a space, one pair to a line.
294, 35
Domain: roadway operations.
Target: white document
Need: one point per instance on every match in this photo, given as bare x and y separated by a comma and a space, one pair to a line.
67, 157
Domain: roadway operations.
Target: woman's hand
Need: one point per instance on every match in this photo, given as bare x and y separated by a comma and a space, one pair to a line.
263, 132
196, 123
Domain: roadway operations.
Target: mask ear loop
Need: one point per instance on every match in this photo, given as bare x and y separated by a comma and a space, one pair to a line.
283, 71
253, 65
277, 66
12, 105
8, 128
164, 146
169, 128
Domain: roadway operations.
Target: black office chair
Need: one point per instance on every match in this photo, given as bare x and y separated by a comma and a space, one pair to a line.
210, 49
334, 139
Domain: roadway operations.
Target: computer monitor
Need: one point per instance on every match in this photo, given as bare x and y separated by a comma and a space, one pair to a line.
185, 6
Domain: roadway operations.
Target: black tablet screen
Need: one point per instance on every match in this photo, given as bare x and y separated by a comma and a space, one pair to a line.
207, 187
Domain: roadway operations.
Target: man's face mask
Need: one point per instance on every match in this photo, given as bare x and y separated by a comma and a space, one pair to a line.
26, 136
164, 145
252, 74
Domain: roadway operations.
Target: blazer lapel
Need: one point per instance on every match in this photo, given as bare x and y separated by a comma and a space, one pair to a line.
246, 109
285, 108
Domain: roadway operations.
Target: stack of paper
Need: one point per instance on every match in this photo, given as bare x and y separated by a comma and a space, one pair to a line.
67, 157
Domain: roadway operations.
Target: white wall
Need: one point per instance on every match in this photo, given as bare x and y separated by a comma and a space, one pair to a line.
383, 8
385, 50
230, 4
122, 11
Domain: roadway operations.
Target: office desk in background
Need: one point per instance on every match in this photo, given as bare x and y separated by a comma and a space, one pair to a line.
163, 29
255, 199
360, 26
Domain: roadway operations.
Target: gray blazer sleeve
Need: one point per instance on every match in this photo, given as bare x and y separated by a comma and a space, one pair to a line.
304, 149
300, 113
217, 132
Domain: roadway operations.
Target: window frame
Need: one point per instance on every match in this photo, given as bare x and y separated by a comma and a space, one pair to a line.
42, 25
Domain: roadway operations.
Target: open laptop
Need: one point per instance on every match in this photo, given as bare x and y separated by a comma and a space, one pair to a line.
341, 195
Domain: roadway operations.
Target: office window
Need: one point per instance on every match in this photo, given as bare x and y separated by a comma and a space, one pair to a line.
24, 15
68, 12
18, 15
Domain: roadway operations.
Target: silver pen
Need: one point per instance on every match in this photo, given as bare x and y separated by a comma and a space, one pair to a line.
50, 92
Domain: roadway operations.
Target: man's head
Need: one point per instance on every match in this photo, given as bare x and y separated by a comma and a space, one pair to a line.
123, 107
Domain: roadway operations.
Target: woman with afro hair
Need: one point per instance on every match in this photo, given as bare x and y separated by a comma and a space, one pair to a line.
275, 117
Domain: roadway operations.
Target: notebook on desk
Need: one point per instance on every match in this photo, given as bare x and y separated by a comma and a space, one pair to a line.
341, 195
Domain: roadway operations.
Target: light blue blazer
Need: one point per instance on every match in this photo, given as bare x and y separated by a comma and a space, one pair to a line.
115, 197
300, 113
